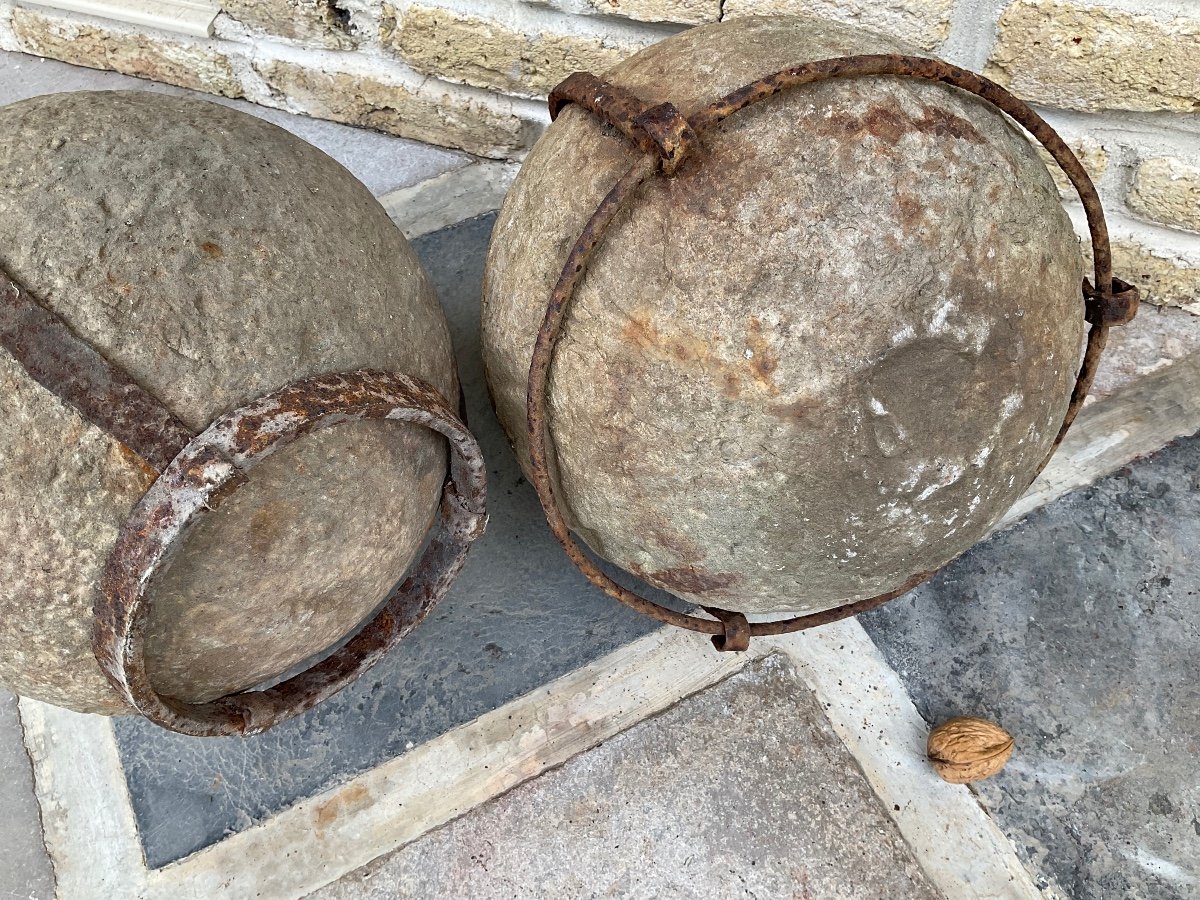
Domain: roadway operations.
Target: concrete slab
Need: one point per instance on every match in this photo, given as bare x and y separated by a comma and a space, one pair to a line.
382, 162
1157, 338
25, 871
741, 790
1078, 630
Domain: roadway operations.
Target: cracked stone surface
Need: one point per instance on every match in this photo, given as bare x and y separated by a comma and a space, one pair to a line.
25, 870
1078, 630
681, 805
216, 262
813, 363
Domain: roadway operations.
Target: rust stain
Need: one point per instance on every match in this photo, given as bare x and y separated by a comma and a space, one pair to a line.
212, 249
888, 123
124, 288
797, 411
266, 525
912, 212
148, 474
659, 528
765, 360
691, 580
729, 376
941, 123
640, 332
348, 800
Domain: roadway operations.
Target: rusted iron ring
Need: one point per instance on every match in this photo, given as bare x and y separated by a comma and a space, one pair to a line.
214, 464
1109, 302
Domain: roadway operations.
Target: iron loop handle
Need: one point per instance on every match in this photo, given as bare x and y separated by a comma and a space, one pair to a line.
667, 140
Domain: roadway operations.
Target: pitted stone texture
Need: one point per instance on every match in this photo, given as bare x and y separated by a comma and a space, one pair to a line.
1166, 190
323, 23
215, 258
425, 113
1164, 277
828, 354
187, 63
925, 23
490, 54
687, 12
1082, 55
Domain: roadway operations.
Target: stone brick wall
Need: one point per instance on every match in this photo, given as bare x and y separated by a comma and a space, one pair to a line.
1120, 79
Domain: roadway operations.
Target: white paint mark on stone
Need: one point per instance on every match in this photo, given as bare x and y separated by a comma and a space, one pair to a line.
1010, 405
1164, 868
937, 325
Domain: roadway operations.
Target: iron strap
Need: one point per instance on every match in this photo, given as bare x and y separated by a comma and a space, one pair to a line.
67, 366
666, 139
195, 472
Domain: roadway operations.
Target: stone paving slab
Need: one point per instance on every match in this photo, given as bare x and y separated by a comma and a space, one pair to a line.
1078, 630
25, 871
742, 790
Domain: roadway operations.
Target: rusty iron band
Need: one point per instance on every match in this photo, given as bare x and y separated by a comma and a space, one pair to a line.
63, 363
214, 464
197, 472
667, 140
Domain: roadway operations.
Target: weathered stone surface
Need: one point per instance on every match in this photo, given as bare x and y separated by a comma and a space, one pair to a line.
682, 805
925, 23
811, 364
26, 873
1167, 190
191, 64
490, 54
324, 23
1163, 276
1081, 55
426, 113
214, 262
685, 12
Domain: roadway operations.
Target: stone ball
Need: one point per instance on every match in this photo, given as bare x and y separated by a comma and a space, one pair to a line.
215, 258
827, 355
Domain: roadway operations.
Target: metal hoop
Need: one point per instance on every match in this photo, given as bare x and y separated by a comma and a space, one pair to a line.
668, 139
212, 466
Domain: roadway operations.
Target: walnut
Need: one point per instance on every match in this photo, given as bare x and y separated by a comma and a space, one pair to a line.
965, 749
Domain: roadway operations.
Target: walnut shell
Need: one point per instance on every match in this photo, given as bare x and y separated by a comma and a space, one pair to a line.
965, 749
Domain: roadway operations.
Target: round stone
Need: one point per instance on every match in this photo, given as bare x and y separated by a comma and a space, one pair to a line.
827, 355
215, 258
